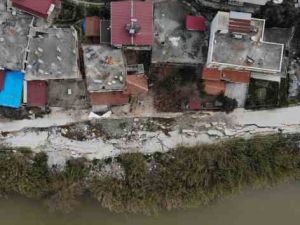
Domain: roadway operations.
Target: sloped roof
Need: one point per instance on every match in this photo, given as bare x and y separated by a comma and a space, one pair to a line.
122, 13
92, 26
236, 76
195, 23
194, 104
109, 98
214, 87
38, 8
211, 74
36, 93
136, 84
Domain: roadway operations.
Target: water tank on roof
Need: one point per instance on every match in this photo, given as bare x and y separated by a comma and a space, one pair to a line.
133, 27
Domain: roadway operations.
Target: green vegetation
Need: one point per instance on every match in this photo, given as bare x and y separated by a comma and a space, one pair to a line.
228, 104
174, 86
135, 183
264, 94
279, 15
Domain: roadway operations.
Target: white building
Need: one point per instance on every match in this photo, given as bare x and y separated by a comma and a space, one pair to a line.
237, 42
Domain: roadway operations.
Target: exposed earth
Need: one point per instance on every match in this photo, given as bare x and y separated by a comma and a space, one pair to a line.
67, 135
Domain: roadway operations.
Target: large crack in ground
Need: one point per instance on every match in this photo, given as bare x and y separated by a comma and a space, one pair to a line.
108, 137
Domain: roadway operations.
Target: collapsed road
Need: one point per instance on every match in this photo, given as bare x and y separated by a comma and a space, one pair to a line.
75, 135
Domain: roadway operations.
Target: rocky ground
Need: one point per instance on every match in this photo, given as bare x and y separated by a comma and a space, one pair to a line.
62, 138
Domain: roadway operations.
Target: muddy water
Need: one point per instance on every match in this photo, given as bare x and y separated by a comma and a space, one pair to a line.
277, 206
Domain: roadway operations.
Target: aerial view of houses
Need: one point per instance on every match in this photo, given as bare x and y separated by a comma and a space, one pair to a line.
144, 106
140, 57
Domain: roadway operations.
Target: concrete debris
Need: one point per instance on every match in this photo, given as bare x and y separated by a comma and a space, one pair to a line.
215, 133
107, 114
229, 132
94, 116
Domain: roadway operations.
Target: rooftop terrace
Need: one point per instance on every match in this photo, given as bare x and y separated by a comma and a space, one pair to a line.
266, 56
53, 54
104, 67
13, 39
248, 51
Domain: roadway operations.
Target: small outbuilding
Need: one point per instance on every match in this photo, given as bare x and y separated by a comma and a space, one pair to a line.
41, 8
91, 26
113, 98
36, 93
136, 84
11, 94
196, 23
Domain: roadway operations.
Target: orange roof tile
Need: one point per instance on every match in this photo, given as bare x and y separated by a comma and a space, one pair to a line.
236, 76
136, 84
211, 74
214, 87
92, 26
109, 98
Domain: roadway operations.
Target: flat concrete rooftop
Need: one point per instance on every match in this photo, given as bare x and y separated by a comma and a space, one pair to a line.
67, 94
172, 42
229, 50
53, 54
248, 51
2, 5
13, 39
104, 68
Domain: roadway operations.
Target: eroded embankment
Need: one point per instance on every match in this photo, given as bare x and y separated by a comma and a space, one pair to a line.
138, 183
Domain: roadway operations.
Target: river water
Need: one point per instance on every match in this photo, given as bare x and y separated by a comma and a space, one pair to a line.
276, 206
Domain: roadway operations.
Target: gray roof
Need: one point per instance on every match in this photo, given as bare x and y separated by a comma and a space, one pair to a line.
53, 54
13, 40
255, 2
240, 15
104, 68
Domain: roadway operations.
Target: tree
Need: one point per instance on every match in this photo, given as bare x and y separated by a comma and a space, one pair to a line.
279, 15
228, 104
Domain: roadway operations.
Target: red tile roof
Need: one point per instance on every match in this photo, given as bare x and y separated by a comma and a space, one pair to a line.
36, 93
239, 25
92, 26
236, 76
195, 23
2, 76
136, 84
36, 7
214, 87
109, 98
215, 80
226, 75
211, 74
127, 12
194, 104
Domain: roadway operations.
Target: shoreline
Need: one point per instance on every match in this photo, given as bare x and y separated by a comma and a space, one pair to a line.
147, 184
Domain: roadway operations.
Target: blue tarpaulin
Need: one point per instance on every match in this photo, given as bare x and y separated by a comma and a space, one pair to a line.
11, 94
83, 24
